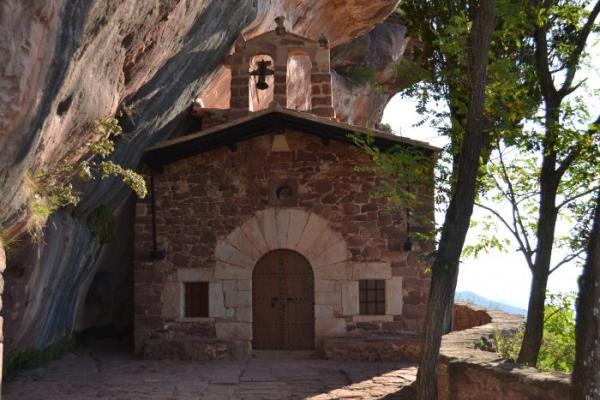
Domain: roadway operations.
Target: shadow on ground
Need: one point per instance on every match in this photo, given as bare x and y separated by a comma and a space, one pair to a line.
102, 372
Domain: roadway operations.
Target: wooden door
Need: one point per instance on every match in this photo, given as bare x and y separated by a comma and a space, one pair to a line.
283, 302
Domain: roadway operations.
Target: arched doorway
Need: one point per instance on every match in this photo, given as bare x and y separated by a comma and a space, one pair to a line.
283, 302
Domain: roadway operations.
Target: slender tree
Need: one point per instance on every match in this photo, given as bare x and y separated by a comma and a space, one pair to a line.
437, 71
468, 61
585, 379
559, 46
550, 169
456, 223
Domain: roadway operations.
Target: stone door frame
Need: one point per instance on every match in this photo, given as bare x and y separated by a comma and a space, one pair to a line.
336, 275
291, 228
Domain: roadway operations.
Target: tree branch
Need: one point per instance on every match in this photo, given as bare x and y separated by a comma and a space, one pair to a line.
577, 196
528, 196
500, 217
526, 251
541, 60
559, 309
575, 56
565, 260
576, 151
517, 219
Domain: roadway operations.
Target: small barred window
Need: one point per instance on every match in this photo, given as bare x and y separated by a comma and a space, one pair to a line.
371, 294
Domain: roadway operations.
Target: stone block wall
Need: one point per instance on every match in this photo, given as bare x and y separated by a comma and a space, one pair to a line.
216, 216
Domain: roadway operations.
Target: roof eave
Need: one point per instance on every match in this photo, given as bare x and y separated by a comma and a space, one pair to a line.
264, 122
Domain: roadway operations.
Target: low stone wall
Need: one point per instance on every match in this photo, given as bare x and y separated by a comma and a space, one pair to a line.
388, 341
373, 348
466, 316
467, 373
192, 341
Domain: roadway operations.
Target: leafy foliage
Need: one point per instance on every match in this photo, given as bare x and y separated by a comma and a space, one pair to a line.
363, 73
485, 242
547, 168
517, 181
54, 188
443, 28
558, 348
508, 343
408, 171
543, 143
486, 343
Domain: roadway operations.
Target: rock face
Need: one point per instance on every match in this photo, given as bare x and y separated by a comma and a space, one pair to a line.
70, 63
366, 72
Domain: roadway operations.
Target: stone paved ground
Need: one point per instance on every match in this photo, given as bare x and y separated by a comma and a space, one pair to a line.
104, 375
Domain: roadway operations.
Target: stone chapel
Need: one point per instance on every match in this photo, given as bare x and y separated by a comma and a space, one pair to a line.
263, 232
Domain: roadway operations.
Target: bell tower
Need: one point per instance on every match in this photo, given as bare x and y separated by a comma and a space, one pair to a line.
281, 69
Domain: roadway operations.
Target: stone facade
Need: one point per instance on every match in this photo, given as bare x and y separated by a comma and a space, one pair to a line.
216, 216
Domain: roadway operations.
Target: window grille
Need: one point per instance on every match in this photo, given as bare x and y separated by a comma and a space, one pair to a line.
371, 294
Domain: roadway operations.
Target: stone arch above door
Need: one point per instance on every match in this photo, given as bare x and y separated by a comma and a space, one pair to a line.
282, 228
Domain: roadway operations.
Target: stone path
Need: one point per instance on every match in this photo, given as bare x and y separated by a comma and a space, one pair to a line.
93, 375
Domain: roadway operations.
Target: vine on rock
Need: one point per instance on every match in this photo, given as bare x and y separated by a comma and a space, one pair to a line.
52, 189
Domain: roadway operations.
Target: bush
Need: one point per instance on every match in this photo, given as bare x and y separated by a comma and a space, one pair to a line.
508, 343
558, 346
52, 188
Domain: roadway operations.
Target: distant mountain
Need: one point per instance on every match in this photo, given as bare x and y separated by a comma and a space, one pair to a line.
473, 298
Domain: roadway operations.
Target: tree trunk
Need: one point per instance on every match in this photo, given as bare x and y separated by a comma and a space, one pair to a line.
534, 326
458, 216
585, 379
449, 307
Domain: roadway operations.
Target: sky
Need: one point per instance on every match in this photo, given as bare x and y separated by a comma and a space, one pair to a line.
498, 276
